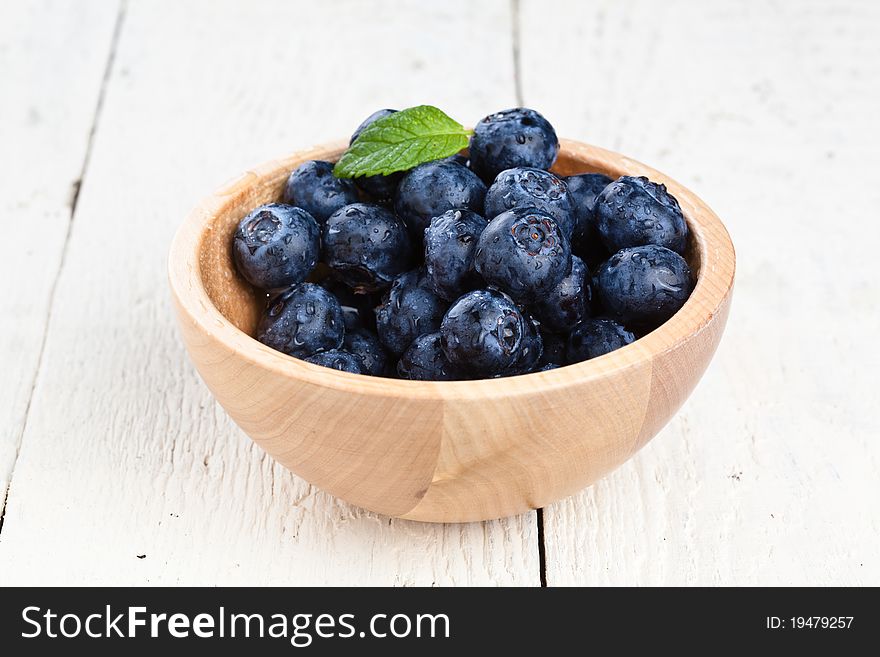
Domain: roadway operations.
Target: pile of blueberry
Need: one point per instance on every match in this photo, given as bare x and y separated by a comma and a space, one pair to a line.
465, 269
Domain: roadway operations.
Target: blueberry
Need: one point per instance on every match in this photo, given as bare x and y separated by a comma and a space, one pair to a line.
643, 286
517, 137
409, 310
366, 246
595, 337
450, 244
584, 189
546, 367
357, 309
338, 360
276, 246
313, 187
567, 303
523, 252
524, 187
635, 211
554, 349
597, 309
380, 187
458, 158
366, 346
372, 118
431, 189
424, 360
531, 350
482, 333
351, 318
302, 321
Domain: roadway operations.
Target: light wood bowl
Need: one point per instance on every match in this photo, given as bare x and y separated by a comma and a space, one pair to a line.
442, 451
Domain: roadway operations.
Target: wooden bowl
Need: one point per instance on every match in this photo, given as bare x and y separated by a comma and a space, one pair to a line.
442, 451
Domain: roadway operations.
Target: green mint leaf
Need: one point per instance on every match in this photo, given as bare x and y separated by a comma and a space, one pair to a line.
401, 141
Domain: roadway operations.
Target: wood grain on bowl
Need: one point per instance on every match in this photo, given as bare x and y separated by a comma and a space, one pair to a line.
442, 451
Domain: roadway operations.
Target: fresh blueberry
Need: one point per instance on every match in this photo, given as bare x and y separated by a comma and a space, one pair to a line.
338, 359
597, 309
276, 246
584, 189
450, 244
643, 286
567, 303
431, 189
366, 246
482, 333
532, 348
366, 346
313, 187
372, 118
302, 321
380, 187
546, 367
458, 158
351, 317
357, 309
424, 360
595, 337
635, 211
554, 349
409, 310
518, 137
523, 252
524, 187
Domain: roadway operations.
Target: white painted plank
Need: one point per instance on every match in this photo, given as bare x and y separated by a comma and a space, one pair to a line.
126, 453
771, 472
52, 60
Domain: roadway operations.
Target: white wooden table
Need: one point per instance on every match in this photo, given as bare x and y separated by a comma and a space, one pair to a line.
117, 467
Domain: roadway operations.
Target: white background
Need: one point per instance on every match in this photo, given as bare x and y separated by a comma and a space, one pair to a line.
117, 467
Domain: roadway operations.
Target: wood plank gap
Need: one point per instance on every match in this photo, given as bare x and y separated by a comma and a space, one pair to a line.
78, 185
3, 507
542, 552
75, 192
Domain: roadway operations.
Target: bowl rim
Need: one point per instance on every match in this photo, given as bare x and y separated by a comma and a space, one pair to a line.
714, 284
